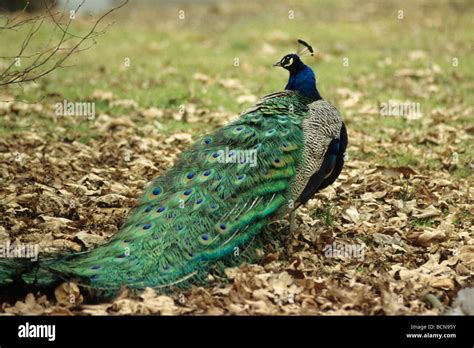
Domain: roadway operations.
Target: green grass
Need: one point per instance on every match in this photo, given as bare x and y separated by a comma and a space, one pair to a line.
423, 222
325, 213
165, 53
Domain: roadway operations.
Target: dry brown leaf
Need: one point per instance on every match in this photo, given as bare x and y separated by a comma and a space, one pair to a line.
89, 240
430, 211
351, 214
68, 295
443, 283
29, 307
180, 137
395, 172
102, 95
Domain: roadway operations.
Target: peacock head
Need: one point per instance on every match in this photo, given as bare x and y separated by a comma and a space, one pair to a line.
292, 62
302, 78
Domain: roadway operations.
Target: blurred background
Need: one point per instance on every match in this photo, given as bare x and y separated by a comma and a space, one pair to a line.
218, 55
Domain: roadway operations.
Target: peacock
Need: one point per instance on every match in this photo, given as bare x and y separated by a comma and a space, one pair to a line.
218, 197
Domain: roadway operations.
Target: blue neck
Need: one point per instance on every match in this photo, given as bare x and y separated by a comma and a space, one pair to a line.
304, 82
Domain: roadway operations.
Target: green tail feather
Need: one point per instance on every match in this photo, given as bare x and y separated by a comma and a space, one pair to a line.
217, 197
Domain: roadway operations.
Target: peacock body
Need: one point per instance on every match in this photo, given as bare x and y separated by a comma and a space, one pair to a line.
217, 198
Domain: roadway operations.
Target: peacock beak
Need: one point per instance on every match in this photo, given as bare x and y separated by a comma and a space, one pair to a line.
277, 64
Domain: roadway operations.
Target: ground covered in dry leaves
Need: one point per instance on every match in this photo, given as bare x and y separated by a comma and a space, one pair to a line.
404, 196
414, 225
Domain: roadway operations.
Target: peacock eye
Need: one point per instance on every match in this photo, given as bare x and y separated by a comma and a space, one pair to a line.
288, 62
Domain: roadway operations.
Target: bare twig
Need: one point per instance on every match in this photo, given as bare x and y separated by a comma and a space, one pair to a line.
52, 56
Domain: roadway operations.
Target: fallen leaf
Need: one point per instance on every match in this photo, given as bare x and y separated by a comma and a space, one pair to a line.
68, 295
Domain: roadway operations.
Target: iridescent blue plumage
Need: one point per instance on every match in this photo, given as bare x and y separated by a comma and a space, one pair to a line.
302, 78
304, 82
